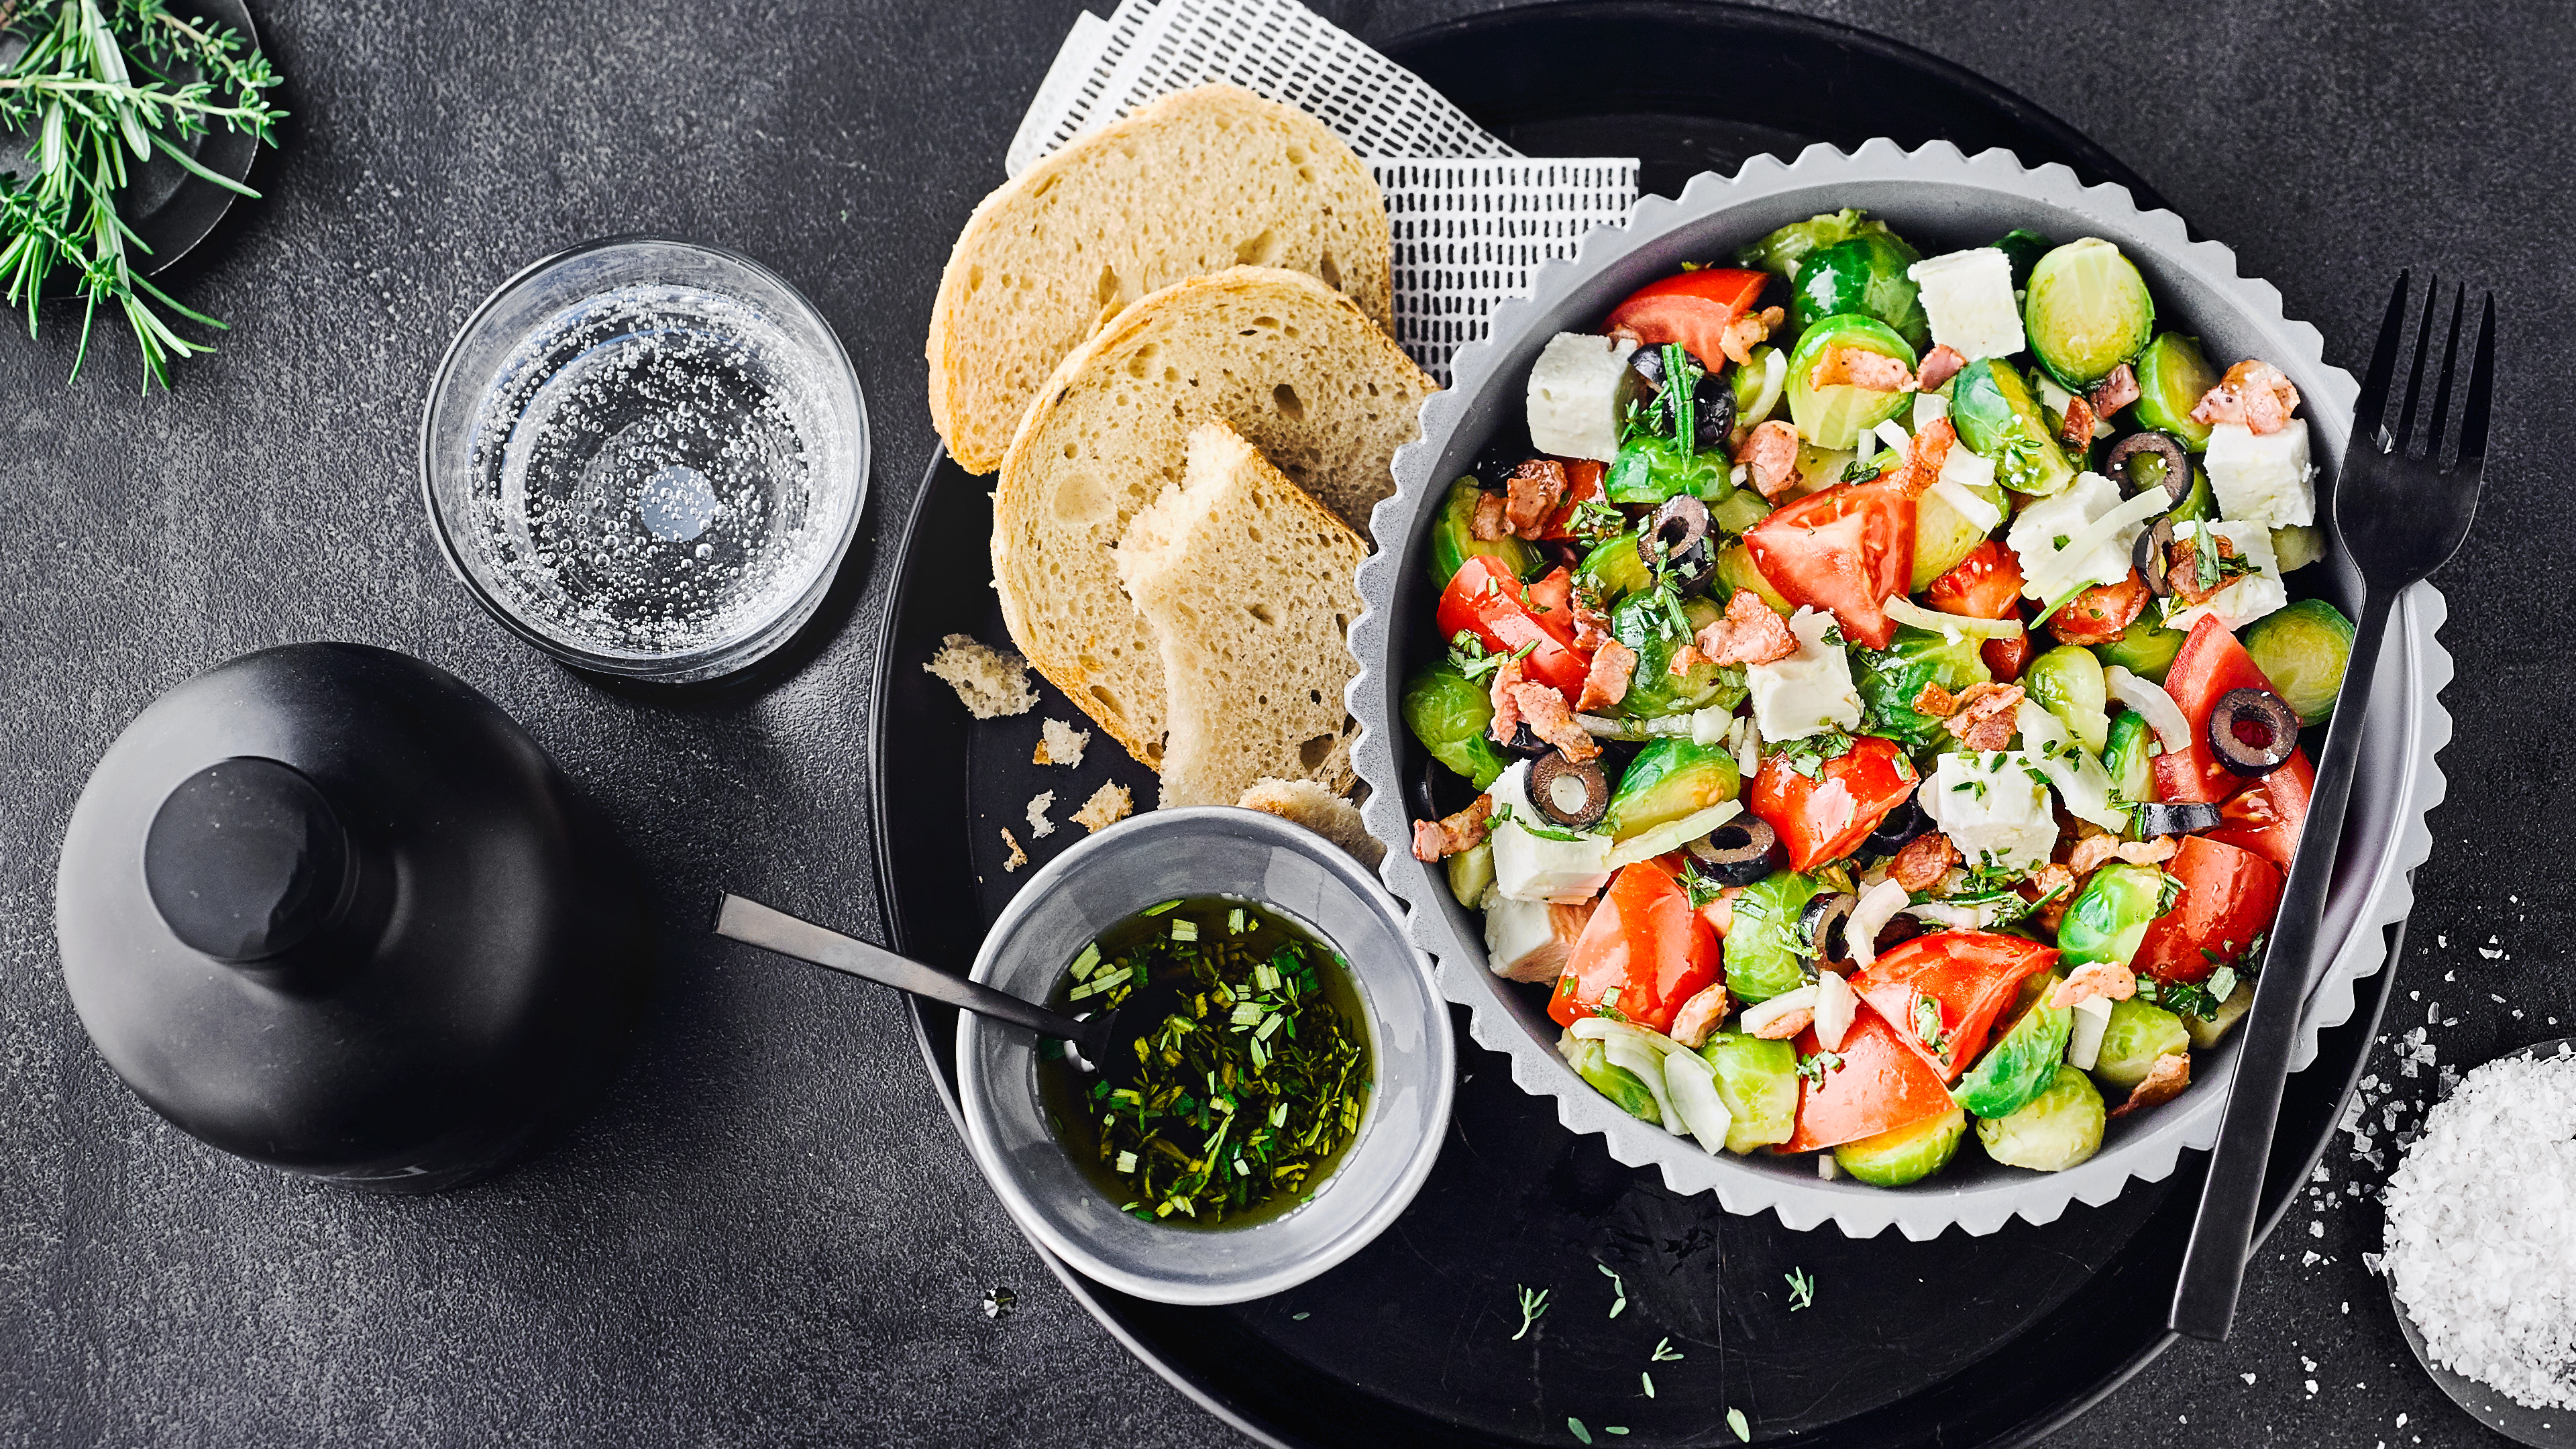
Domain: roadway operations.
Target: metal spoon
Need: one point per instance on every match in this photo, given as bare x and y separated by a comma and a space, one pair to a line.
1103, 1042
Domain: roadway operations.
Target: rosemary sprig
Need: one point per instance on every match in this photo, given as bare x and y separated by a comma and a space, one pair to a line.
97, 86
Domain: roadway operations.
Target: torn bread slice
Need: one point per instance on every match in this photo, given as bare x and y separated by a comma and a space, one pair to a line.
1197, 181
1306, 803
1249, 587
1291, 364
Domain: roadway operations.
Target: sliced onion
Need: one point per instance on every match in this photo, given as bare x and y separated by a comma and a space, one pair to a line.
1877, 907
1692, 1084
2084, 1048
1775, 380
2053, 573
1672, 836
1906, 611
1894, 437
1836, 1006
1646, 1066
2148, 698
1956, 917
1762, 1014
1929, 408
1980, 513
1604, 1028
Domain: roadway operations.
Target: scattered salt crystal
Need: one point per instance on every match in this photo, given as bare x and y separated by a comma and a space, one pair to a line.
2249, 1378
2308, 1259
2478, 1216
2316, 1229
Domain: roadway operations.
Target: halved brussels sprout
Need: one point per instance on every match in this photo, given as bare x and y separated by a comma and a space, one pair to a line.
1650, 469
1654, 691
1471, 874
1863, 275
1908, 1154
1454, 540
1764, 955
2068, 682
1735, 570
2021, 1064
1758, 1081
2088, 311
1614, 568
2145, 649
2108, 920
2303, 649
1784, 251
1671, 778
2054, 1131
1834, 416
2127, 758
2172, 378
1943, 536
1451, 714
1997, 416
2023, 248
2139, 1032
2207, 1030
1889, 679
1591, 1062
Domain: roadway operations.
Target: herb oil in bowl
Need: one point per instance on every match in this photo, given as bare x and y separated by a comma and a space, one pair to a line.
1246, 1095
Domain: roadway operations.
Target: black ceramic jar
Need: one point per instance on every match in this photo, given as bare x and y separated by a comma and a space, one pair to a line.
327, 907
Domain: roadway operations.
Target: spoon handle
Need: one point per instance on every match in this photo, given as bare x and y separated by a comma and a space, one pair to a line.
774, 930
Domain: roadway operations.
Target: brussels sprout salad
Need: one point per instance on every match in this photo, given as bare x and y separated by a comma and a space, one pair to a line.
1880, 693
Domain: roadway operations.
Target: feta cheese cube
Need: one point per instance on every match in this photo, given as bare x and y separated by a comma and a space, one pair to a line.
1529, 866
1521, 943
1579, 391
2247, 599
2055, 520
2265, 478
1991, 808
1968, 297
1809, 692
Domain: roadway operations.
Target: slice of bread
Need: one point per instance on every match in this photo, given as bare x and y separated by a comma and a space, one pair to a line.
1306, 803
1297, 369
1248, 586
1197, 181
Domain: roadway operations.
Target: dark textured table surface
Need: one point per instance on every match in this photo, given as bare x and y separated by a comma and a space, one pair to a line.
769, 1233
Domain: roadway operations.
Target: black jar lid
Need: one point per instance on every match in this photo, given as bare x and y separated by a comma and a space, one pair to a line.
327, 907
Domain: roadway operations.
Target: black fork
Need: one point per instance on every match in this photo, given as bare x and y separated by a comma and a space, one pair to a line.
2400, 507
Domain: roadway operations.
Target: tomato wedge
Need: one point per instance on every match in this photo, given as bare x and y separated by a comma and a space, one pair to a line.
2266, 818
1486, 600
1582, 485
1645, 942
1845, 549
1969, 975
2228, 896
1986, 585
2209, 664
1879, 1087
1691, 309
2100, 613
1827, 818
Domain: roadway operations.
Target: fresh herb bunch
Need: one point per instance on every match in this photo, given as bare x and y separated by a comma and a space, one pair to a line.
97, 87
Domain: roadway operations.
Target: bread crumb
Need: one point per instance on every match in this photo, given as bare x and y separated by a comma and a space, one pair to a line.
990, 682
1060, 744
1041, 827
1107, 806
1306, 803
1018, 857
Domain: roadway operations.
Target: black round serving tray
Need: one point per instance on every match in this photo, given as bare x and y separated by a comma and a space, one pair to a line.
1954, 1342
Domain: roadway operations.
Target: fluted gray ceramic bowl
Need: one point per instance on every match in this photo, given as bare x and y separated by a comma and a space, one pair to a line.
1941, 200
1206, 851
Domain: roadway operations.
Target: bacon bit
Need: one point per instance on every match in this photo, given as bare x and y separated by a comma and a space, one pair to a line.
2077, 430
1922, 862
1751, 633
1748, 328
1537, 486
1489, 523
1720, 913
1505, 693
1924, 457
2051, 878
1770, 457
2096, 851
1548, 717
1435, 840
2183, 574
2107, 979
1699, 1016
1985, 717
1606, 682
1591, 626
1861, 368
2115, 391
1787, 1025
2254, 393
1685, 659
1940, 365
2164, 1082
1936, 700
2100, 613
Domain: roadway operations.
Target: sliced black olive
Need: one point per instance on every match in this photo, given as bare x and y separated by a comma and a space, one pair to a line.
1675, 543
1820, 925
2152, 557
2176, 817
1503, 454
1526, 743
1902, 824
2253, 731
2177, 480
1740, 852
1553, 782
1648, 364
1713, 405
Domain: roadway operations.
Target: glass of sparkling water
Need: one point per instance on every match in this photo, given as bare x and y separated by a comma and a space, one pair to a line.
647, 458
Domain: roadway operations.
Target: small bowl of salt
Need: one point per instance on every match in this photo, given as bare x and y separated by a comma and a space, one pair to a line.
2480, 1217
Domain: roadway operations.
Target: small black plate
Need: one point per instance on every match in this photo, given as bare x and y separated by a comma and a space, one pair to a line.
170, 210
1960, 1341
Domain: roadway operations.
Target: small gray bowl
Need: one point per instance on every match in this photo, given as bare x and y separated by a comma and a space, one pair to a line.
1201, 852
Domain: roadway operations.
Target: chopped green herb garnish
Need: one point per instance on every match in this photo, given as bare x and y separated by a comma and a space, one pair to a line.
1576, 1426
1743, 1428
1618, 1288
1802, 1289
1664, 1351
1533, 1304
1165, 908
1185, 930
1646, 1381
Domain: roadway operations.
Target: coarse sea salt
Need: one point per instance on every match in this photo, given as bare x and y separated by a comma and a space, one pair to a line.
2480, 1216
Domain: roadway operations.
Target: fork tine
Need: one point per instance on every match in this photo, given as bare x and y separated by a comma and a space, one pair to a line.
2433, 426
2373, 407
2415, 376
2473, 417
